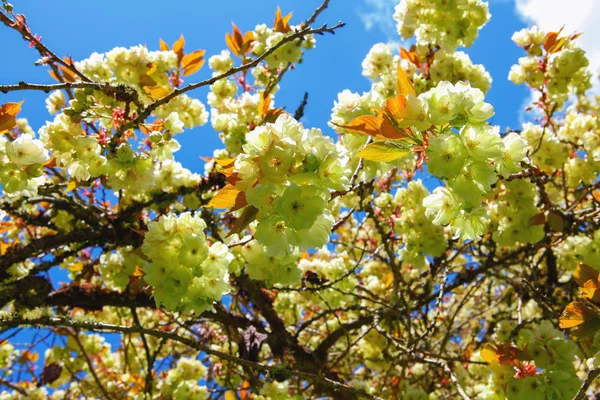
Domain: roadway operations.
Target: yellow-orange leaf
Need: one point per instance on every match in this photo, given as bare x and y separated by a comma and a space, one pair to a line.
192, 62
575, 313
76, 267
4, 247
163, 46
27, 355
590, 291
8, 114
388, 279
156, 92
225, 162
488, 353
225, 198
282, 24
584, 273
70, 186
239, 44
411, 55
152, 68
235, 41
403, 83
178, 47
503, 354
383, 151
64, 73
230, 395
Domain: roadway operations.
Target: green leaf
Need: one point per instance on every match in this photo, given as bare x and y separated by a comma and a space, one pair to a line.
384, 151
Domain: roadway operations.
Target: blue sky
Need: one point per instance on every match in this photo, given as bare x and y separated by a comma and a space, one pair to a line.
78, 28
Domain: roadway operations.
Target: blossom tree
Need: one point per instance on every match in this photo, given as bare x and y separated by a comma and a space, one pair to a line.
304, 262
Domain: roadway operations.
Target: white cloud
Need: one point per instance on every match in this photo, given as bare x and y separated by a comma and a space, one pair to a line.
575, 15
378, 14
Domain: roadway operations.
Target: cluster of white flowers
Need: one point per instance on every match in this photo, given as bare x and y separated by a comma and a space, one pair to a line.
513, 213
419, 236
469, 161
286, 173
562, 70
21, 163
186, 274
550, 358
288, 53
448, 24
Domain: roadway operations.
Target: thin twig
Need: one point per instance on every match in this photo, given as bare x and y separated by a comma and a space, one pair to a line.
6, 324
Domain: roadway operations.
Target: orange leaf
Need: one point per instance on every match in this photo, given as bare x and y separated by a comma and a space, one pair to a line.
411, 55
8, 114
138, 271
235, 41
265, 103
389, 131
395, 108
365, 125
225, 198
243, 390
51, 162
192, 62
282, 24
178, 47
575, 313
550, 40
163, 46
